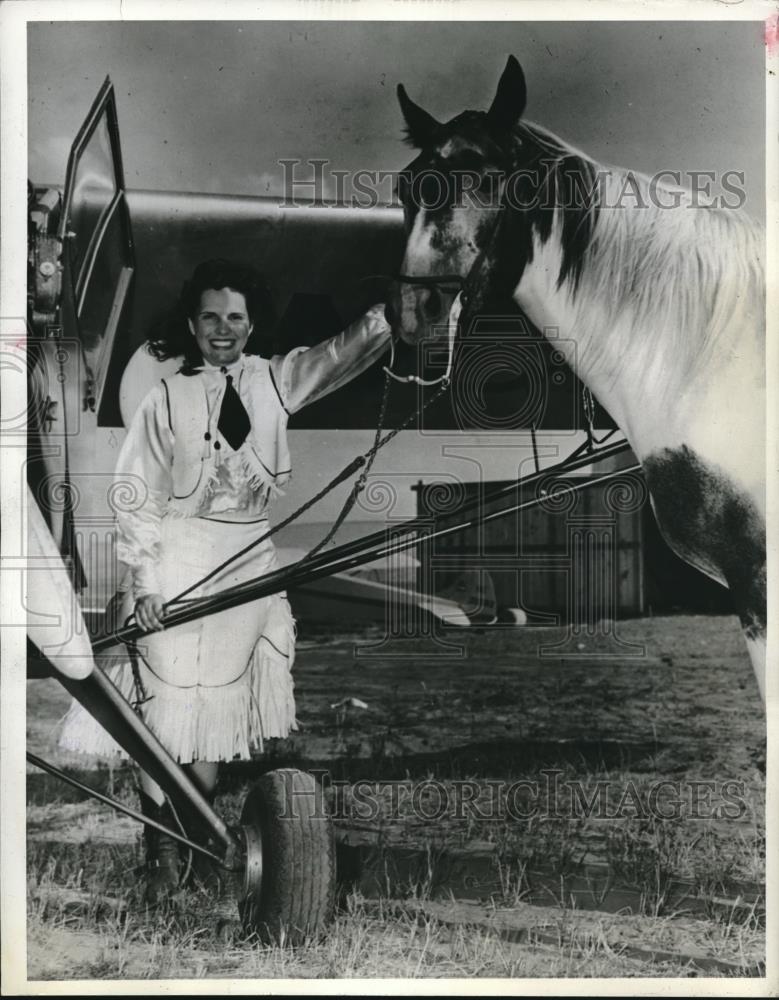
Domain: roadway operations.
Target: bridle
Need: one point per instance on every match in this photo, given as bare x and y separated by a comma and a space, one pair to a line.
455, 312
464, 286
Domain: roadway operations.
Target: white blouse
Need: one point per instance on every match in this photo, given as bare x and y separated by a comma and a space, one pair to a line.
301, 377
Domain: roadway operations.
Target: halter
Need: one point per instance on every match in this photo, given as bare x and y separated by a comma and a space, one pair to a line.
454, 324
455, 312
463, 287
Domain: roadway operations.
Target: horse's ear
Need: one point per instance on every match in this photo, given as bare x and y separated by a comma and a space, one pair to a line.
511, 97
419, 124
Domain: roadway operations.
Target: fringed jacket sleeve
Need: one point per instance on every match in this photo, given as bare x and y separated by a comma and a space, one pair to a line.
307, 374
142, 488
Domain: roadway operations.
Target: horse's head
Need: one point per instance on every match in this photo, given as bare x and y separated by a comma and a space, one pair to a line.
451, 195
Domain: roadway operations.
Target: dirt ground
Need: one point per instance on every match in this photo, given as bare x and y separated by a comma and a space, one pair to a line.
669, 683
424, 725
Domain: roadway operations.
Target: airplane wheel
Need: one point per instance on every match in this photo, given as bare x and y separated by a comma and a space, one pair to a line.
289, 880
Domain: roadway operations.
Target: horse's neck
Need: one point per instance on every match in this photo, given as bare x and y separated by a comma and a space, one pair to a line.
611, 377
716, 409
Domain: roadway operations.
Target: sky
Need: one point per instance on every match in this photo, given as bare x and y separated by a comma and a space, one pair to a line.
214, 106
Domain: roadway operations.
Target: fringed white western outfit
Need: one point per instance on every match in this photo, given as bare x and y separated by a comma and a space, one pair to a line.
220, 685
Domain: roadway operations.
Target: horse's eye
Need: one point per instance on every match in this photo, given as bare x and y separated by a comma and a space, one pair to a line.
470, 161
488, 183
430, 190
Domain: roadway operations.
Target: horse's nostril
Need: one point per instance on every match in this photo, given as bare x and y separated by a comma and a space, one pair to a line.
433, 304
390, 315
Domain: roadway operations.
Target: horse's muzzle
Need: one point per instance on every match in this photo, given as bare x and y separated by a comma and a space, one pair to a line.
400, 313
391, 316
432, 305
419, 305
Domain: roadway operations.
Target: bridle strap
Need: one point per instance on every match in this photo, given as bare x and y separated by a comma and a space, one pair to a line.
445, 379
429, 279
454, 282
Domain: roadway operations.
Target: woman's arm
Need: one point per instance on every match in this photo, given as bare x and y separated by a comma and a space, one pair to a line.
307, 374
143, 474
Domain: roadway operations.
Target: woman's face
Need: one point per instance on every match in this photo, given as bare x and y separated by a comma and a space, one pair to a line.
221, 325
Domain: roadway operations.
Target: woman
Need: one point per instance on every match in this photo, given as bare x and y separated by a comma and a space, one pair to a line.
209, 448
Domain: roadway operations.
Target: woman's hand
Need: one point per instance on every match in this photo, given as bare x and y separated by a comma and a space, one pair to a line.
148, 612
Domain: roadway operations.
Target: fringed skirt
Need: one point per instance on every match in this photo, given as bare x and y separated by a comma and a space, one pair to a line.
214, 688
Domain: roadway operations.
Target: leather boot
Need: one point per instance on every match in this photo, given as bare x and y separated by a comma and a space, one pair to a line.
162, 852
204, 875
221, 886
226, 909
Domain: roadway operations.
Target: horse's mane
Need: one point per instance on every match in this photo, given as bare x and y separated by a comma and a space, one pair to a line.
647, 272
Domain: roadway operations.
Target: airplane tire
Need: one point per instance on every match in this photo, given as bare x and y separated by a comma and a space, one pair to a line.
289, 881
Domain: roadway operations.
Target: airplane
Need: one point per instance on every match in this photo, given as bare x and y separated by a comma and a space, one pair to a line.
105, 264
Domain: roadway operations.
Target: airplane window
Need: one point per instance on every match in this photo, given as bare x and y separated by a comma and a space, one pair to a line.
106, 282
97, 255
93, 190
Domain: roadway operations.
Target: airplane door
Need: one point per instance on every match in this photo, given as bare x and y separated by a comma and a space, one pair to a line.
97, 242
80, 271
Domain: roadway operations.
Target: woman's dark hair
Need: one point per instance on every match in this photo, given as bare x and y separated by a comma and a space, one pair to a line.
174, 338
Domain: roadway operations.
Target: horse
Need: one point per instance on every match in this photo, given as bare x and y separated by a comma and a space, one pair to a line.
656, 301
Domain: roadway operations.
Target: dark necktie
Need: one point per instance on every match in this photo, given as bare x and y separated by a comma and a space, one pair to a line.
234, 422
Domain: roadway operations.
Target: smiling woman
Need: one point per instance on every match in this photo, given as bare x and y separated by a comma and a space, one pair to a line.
221, 326
205, 452
223, 301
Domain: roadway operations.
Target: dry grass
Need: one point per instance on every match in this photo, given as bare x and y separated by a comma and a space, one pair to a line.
370, 939
87, 920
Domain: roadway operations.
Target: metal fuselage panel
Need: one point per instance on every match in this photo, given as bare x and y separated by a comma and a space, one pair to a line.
306, 249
